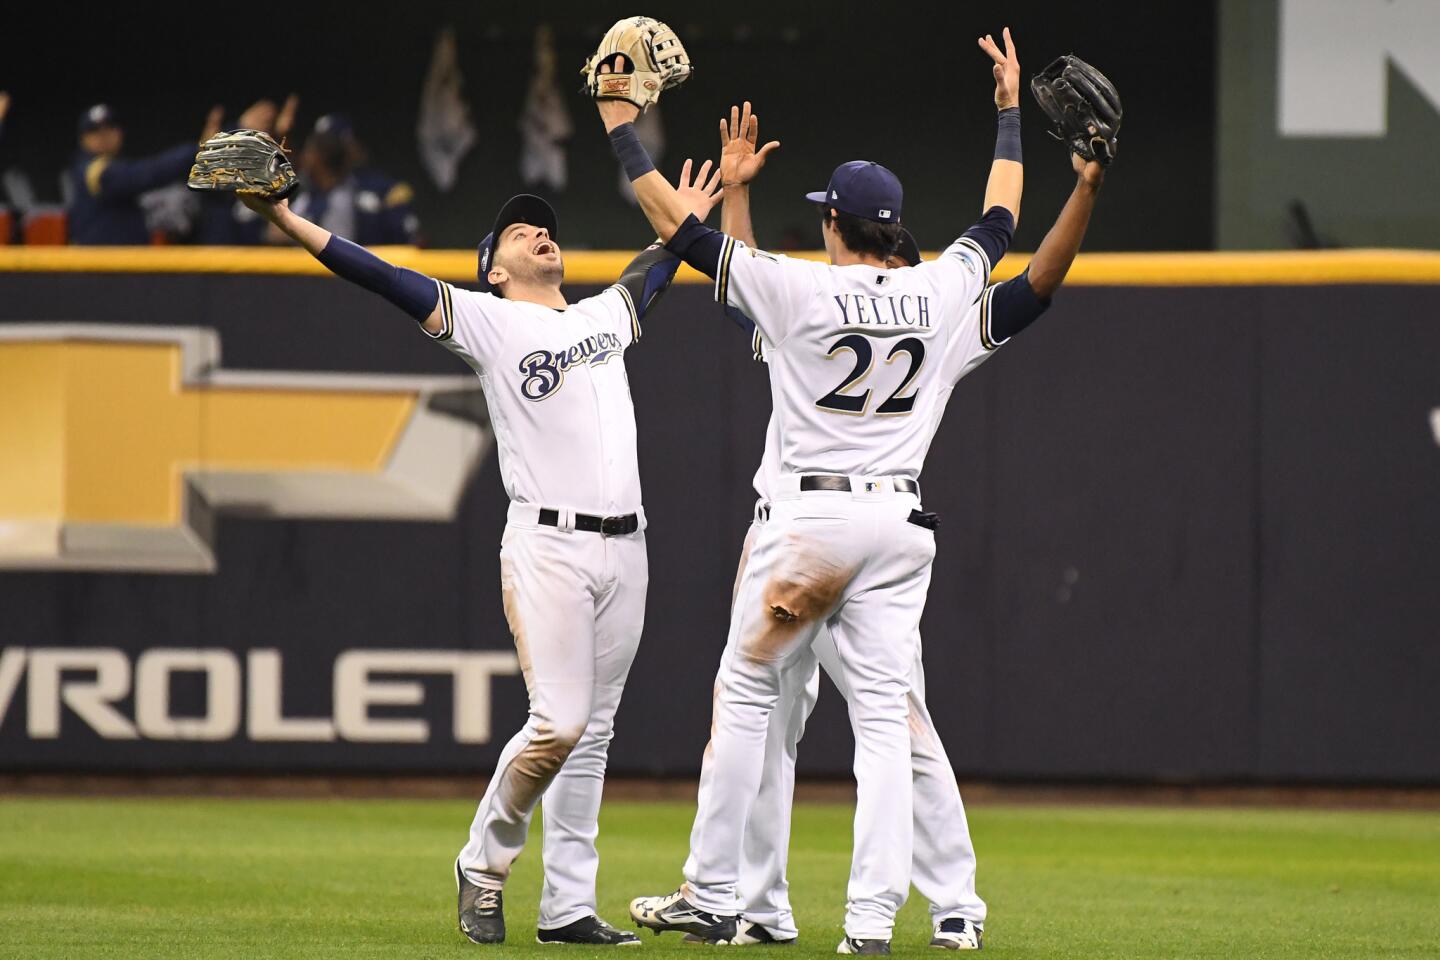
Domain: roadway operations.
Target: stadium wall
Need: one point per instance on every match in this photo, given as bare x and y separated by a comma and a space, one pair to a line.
1190, 533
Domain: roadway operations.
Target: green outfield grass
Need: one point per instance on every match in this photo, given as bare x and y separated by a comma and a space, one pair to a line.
155, 878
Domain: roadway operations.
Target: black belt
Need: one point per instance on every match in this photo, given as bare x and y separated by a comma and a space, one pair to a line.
838, 484
608, 526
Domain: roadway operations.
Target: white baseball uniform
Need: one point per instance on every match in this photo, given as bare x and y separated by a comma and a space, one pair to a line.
559, 403
862, 361
944, 856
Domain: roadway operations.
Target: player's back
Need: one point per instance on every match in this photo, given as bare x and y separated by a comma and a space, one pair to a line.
862, 359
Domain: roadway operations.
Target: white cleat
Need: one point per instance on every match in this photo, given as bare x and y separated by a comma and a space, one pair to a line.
957, 933
674, 912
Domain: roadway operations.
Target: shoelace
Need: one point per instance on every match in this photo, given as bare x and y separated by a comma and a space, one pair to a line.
487, 899
953, 925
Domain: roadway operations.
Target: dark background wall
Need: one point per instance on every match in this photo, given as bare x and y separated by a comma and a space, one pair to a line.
1188, 534
1359, 185
904, 85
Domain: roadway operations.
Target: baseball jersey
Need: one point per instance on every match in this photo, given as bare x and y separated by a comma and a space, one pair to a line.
862, 359
558, 394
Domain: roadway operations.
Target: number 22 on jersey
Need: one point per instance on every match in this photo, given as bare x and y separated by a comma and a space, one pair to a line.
862, 349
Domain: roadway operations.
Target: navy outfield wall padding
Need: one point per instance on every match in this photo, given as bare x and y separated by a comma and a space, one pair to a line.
1189, 534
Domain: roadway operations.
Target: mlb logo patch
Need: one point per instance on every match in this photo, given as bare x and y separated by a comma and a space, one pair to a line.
871, 486
884, 214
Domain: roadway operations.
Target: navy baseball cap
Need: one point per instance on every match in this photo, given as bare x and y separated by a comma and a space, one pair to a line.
907, 249
864, 189
100, 115
523, 208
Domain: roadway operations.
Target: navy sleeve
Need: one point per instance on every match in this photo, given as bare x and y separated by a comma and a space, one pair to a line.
648, 276
1014, 305
412, 292
992, 233
698, 245
126, 178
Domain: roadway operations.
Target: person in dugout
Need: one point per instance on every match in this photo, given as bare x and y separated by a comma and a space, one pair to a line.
104, 188
347, 196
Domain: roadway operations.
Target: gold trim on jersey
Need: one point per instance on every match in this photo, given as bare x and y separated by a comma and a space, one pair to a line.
447, 314
722, 272
93, 172
634, 316
986, 340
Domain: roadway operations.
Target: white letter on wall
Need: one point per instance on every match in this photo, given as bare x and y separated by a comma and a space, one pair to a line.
222, 694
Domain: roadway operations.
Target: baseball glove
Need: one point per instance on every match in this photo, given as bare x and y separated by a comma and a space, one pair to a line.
645, 58
243, 161
1082, 104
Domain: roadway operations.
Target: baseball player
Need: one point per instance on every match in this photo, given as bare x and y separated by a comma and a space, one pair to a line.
944, 857
862, 360
572, 559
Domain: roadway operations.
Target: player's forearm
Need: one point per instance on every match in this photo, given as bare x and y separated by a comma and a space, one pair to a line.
412, 292
1058, 250
658, 200
1007, 172
735, 214
311, 236
661, 204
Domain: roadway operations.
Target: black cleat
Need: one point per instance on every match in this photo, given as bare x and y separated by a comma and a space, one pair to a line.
482, 910
588, 930
864, 948
958, 933
674, 912
748, 933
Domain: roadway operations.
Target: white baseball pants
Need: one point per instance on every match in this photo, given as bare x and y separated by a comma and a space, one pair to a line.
852, 562
943, 869
575, 602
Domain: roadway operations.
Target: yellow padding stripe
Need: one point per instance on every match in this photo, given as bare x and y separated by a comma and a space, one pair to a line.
603, 267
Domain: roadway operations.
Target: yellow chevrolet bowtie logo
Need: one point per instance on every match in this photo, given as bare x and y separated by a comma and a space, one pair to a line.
117, 444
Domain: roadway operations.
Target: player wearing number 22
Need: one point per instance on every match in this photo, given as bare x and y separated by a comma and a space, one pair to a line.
572, 560
862, 361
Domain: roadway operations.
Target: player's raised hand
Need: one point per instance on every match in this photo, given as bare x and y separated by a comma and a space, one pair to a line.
1006, 69
701, 192
740, 161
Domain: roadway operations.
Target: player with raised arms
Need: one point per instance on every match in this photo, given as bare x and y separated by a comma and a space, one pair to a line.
846, 545
944, 855
572, 560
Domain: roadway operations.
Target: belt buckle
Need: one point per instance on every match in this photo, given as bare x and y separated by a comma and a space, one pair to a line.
612, 526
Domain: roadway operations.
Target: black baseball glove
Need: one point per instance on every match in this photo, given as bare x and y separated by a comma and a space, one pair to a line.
1082, 104
246, 162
